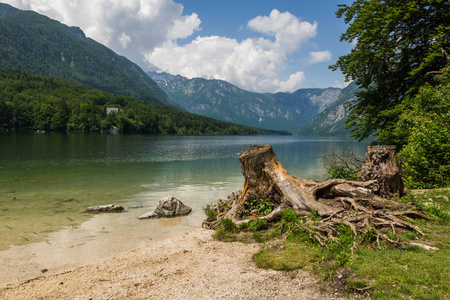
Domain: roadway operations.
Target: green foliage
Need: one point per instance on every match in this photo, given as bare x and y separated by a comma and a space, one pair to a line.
228, 225
314, 215
425, 158
396, 44
258, 225
220, 234
369, 237
434, 207
30, 102
210, 213
341, 172
243, 226
258, 206
342, 165
341, 248
226, 230
290, 216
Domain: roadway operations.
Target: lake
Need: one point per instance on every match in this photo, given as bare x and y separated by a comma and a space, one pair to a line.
48, 180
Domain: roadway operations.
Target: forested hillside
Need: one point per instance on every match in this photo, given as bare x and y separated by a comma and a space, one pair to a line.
30, 101
36, 44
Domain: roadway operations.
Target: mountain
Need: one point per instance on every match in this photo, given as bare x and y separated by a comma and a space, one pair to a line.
36, 44
223, 101
331, 121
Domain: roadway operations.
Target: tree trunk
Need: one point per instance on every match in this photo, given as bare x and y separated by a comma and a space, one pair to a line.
265, 177
382, 165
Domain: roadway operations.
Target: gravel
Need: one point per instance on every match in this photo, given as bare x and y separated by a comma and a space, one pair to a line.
188, 266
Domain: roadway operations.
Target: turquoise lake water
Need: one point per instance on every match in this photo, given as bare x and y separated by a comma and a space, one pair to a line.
48, 180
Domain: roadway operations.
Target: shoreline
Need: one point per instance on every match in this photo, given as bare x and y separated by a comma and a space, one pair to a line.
191, 265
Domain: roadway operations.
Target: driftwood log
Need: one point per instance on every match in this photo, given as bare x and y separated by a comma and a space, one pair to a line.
360, 205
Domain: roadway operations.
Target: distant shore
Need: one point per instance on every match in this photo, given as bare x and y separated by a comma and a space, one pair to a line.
188, 266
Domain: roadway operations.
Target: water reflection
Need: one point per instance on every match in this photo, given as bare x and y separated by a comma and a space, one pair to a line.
170, 222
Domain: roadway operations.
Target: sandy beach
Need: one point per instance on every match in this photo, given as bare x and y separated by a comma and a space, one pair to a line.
188, 266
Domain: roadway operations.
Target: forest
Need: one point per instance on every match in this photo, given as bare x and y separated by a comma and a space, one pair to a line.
34, 102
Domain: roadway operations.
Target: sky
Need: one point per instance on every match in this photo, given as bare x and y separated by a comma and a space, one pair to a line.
257, 45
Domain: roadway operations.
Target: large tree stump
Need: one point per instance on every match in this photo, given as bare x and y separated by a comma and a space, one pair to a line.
382, 165
337, 201
265, 177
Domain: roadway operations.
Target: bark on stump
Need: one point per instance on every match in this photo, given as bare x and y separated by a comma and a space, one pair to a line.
382, 165
265, 177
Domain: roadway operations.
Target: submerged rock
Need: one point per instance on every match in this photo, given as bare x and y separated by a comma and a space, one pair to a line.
149, 215
168, 207
110, 208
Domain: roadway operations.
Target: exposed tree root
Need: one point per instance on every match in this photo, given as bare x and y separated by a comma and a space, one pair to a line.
338, 202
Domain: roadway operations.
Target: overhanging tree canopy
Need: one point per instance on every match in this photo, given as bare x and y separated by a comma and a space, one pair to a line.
397, 44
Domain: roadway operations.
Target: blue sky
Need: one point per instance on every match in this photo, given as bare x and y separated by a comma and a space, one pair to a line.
229, 18
263, 46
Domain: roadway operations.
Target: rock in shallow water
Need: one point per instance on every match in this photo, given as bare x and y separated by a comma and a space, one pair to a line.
149, 215
168, 207
111, 208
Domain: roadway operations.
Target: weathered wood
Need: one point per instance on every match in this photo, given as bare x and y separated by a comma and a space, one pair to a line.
109, 208
382, 166
265, 177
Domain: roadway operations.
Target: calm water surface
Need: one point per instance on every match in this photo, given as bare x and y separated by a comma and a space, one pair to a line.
48, 180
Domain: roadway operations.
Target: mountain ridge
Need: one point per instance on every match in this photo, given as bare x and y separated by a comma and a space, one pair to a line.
36, 44
224, 101
331, 121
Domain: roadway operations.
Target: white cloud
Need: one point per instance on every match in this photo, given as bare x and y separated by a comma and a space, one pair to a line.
124, 39
148, 31
131, 28
292, 83
341, 85
255, 64
289, 32
318, 57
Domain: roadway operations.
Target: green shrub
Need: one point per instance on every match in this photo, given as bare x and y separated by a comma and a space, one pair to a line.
258, 225
342, 172
228, 225
425, 159
290, 216
314, 215
211, 214
220, 234
342, 165
243, 226
261, 206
